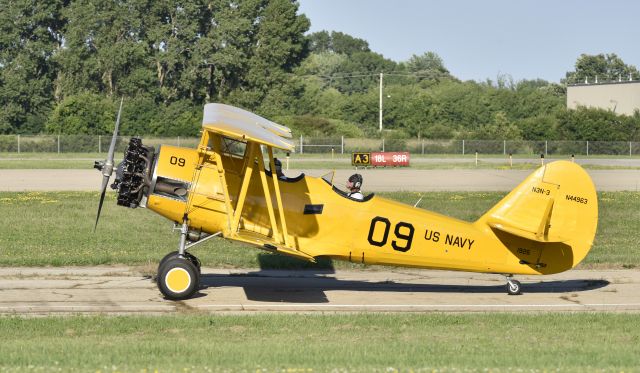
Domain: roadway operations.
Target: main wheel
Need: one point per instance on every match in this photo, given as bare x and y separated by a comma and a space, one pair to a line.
178, 278
514, 287
174, 254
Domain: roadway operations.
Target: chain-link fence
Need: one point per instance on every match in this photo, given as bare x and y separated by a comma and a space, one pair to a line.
427, 146
80, 143
338, 145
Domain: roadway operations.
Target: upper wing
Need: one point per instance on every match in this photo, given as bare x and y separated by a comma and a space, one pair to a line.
243, 125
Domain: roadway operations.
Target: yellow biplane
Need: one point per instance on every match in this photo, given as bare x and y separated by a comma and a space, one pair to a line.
225, 188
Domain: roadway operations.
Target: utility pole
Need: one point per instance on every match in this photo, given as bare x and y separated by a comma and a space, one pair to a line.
380, 116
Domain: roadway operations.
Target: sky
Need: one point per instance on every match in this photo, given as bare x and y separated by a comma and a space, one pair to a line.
483, 39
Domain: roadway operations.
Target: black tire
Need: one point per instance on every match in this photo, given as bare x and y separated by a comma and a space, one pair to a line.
514, 287
178, 278
174, 254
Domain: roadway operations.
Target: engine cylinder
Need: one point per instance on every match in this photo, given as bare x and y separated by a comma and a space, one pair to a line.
133, 173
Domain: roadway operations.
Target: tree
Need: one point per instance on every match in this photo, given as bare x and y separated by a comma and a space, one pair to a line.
336, 42
499, 129
181, 118
541, 127
324, 65
104, 49
173, 31
227, 44
279, 46
30, 35
597, 124
347, 44
359, 72
604, 67
427, 66
320, 42
87, 114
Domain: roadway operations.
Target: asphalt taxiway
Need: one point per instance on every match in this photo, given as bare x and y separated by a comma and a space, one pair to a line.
375, 180
123, 290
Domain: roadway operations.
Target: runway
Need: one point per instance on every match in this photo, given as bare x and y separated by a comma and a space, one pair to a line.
375, 180
123, 290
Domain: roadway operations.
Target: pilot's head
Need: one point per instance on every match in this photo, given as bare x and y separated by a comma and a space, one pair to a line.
354, 183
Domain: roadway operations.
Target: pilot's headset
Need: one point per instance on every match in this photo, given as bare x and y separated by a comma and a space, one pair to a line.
356, 180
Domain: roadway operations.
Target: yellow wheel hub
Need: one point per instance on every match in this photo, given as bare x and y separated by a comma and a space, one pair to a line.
177, 280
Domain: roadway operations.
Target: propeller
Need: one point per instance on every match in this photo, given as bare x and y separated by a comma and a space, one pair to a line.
106, 167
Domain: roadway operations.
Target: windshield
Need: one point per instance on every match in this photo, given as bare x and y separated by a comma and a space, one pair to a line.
329, 177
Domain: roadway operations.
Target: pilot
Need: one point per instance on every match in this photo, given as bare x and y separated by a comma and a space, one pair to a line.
279, 172
353, 185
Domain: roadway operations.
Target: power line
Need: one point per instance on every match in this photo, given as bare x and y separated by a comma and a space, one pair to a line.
361, 75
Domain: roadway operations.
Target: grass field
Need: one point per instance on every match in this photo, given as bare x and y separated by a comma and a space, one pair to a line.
35, 156
48, 164
326, 343
69, 161
56, 229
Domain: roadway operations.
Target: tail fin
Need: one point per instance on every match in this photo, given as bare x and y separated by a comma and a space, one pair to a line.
555, 209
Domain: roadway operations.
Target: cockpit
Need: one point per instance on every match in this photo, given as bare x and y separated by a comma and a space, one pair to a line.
328, 178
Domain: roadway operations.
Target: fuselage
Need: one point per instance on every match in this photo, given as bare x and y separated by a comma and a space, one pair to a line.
323, 221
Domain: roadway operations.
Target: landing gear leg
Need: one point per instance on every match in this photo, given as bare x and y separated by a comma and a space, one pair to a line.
184, 230
179, 272
513, 286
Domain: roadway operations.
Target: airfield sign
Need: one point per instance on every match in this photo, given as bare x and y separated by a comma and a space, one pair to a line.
380, 159
361, 159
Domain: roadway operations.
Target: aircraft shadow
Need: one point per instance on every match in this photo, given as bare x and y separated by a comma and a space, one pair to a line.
310, 286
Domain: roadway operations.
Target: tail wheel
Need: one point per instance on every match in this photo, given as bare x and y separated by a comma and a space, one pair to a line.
178, 278
514, 287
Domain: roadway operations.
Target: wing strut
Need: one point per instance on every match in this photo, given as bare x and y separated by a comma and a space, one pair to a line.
205, 151
248, 171
272, 166
253, 153
267, 195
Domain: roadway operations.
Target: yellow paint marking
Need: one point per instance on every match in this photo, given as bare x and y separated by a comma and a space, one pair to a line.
177, 280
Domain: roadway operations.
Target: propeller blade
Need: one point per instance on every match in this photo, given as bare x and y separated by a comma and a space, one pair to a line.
105, 182
107, 166
112, 147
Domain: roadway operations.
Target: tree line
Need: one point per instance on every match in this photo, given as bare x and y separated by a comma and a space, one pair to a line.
65, 64
62, 63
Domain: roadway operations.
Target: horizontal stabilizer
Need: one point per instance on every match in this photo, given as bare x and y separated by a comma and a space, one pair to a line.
518, 228
520, 232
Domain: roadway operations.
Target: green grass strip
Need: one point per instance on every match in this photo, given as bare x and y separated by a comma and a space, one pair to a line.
56, 228
516, 342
